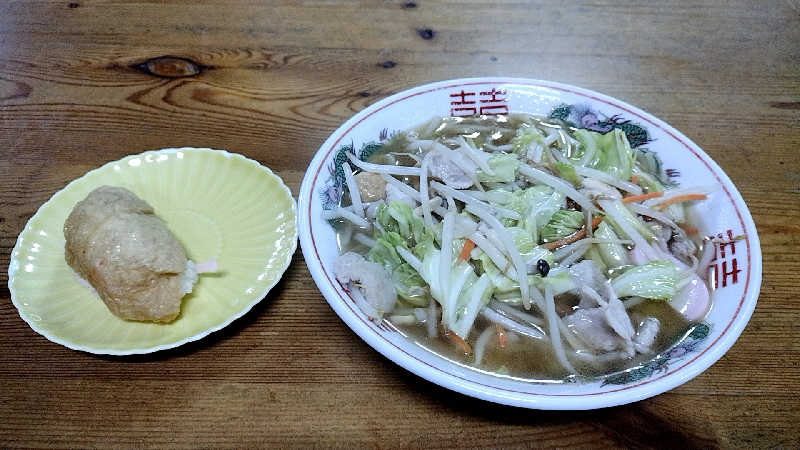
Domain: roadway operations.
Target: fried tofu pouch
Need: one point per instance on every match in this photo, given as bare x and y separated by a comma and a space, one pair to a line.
115, 241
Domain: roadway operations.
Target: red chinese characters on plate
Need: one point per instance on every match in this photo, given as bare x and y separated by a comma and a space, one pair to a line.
469, 103
724, 269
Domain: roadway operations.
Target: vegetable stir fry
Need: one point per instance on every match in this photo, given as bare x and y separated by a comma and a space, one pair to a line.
496, 232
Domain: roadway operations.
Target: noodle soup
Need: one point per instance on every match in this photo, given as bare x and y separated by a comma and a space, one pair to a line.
520, 245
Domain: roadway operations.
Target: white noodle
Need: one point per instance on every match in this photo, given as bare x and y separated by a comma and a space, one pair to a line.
452, 156
344, 213
555, 335
565, 251
576, 255
364, 239
434, 203
516, 313
531, 331
626, 186
446, 262
588, 153
482, 341
345, 237
511, 248
594, 295
559, 156
464, 226
491, 251
499, 148
709, 249
478, 195
597, 361
403, 320
406, 189
470, 200
382, 168
659, 216
409, 257
534, 152
638, 240
477, 156
355, 195
569, 336
557, 184
430, 324
538, 298
440, 210
423, 191
363, 304
493, 239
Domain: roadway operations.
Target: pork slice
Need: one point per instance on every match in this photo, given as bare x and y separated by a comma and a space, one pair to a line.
591, 326
617, 318
371, 187
646, 335
442, 167
372, 280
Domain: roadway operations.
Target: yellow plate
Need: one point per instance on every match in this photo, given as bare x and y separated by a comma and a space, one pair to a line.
217, 204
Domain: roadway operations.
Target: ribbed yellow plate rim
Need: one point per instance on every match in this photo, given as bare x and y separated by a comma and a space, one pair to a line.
218, 204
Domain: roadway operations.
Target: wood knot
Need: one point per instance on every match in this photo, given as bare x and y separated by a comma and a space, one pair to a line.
785, 105
169, 67
10, 90
426, 33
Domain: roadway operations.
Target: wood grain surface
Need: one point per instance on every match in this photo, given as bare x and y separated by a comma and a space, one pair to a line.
80, 85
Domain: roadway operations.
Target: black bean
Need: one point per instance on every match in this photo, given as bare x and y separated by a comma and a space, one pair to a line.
572, 204
543, 267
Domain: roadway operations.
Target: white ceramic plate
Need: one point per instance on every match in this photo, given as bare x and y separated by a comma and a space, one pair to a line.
738, 265
218, 204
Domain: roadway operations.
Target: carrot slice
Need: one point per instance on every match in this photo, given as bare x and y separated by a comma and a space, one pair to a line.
465, 250
642, 197
635, 179
460, 344
679, 199
578, 235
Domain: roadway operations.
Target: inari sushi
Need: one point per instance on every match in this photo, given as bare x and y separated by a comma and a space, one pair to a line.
115, 242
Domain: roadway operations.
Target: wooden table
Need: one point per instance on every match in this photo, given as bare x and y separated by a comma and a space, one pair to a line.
272, 80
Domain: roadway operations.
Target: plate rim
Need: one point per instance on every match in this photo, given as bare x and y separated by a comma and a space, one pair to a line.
14, 264
628, 394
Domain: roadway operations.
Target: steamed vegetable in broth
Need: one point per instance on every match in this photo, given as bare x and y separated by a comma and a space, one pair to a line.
520, 245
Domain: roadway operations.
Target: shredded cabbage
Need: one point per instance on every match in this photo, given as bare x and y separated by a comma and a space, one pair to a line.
610, 152
504, 169
613, 255
563, 223
526, 138
656, 279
